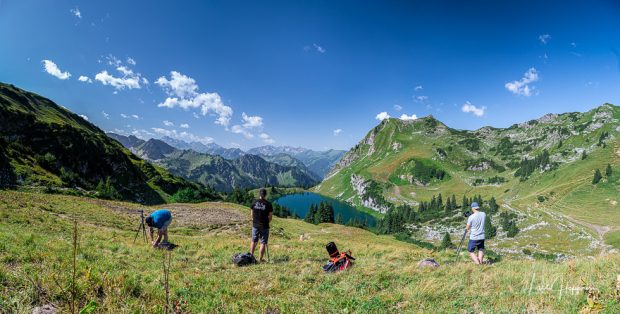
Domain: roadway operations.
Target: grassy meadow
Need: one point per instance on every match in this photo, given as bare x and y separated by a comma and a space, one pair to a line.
120, 276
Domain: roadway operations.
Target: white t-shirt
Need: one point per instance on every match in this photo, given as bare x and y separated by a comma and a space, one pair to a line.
476, 221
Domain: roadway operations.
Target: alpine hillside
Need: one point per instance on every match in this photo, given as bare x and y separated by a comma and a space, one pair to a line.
44, 145
557, 178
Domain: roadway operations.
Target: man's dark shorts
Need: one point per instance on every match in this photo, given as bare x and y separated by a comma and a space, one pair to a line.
475, 244
260, 233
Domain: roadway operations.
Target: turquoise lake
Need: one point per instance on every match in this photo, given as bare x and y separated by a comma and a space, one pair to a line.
299, 203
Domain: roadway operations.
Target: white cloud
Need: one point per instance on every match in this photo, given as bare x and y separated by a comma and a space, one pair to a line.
135, 116
179, 85
319, 48
76, 12
195, 115
398, 107
544, 38
405, 117
469, 108
84, 117
52, 69
186, 136
128, 79
124, 116
266, 138
183, 93
237, 129
421, 98
105, 115
251, 121
131, 61
382, 116
185, 126
573, 44
522, 87
85, 79
337, 132
418, 88
168, 123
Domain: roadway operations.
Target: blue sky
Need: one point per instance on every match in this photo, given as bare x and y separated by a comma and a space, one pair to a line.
316, 74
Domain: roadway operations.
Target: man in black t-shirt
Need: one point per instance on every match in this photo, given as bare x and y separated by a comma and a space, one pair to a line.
261, 217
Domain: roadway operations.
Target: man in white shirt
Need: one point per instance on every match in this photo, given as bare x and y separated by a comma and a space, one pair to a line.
475, 224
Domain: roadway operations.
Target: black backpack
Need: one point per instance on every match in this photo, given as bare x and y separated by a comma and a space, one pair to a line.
243, 259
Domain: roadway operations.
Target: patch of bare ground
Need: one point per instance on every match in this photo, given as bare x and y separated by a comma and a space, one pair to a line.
209, 215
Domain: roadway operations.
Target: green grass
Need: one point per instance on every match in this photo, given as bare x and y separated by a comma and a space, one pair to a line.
613, 239
35, 263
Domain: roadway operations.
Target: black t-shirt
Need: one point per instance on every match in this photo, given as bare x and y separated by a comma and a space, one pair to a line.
261, 210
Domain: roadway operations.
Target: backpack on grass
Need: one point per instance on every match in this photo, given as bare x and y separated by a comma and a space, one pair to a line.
338, 261
243, 259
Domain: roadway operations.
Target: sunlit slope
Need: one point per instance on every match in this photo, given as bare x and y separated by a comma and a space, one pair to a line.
35, 255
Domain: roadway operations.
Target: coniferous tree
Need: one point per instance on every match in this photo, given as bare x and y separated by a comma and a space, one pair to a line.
310, 216
583, 155
453, 202
597, 177
339, 219
489, 230
465, 202
448, 205
493, 207
608, 171
446, 242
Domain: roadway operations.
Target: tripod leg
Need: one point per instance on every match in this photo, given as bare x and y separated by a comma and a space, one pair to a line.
137, 232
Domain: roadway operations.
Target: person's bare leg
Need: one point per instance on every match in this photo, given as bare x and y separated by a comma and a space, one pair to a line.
474, 257
262, 252
481, 256
252, 247
166, 235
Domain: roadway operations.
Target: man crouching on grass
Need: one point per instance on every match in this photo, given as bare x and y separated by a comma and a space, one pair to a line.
262, 212
159, 219
475, 224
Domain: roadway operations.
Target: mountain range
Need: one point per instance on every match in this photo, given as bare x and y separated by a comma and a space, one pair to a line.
245, 171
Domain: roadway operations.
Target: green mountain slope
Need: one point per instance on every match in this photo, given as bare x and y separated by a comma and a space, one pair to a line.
122, 276
399, 162
44, 144
246, 171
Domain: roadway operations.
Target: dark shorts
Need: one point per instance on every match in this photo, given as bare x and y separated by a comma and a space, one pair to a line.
260, 233
475, 244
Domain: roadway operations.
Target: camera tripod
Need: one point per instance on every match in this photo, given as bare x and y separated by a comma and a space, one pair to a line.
142, 228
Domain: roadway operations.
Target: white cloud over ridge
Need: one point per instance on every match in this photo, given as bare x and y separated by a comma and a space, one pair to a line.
522, 87
238, 129
183, 92
52, 69
398, 107
251, 121
266, 138
185, 136
469, 108
184, 126
168, 123
405, 117
382, 116
84, 79
337, 132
